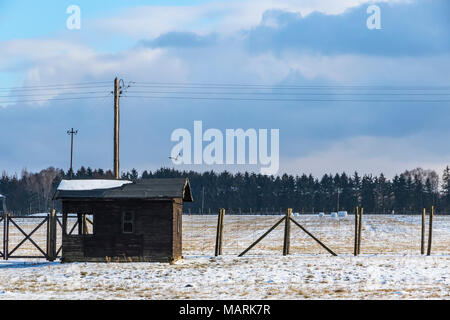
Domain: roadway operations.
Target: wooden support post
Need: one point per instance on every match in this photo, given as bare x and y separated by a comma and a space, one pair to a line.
5, 236
51, 236
317, 240
48, 235
80, 223
8, 218
85, 224
287, 232
54, 233
64, 226
430, 231
219, 234
422, 239
262, 237
359, 229
355, 249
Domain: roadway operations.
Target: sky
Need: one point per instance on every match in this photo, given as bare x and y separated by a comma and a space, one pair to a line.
272, 43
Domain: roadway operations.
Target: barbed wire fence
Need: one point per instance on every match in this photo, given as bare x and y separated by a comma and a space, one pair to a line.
380, 234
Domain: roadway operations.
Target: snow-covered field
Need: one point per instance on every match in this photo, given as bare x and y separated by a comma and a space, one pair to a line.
390, 265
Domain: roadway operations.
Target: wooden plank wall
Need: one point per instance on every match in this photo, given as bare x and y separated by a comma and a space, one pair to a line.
155, 236
177, 229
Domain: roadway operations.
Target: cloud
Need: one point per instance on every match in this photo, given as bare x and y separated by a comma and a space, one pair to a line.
179, 39
419, 28
305, 128
224, 17
370, 155
314, 136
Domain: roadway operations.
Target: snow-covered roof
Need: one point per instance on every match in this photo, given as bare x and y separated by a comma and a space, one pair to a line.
124, 189
90, 184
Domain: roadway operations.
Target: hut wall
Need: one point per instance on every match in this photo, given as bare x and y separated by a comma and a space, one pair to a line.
177, 228
154, 238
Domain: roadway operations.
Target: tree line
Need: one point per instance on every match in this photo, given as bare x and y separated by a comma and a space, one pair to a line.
406, 193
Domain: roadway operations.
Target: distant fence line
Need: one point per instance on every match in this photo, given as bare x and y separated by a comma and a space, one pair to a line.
264, 213
281, 211
237, 232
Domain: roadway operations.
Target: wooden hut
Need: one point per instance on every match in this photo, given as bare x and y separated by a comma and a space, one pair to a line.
119, 220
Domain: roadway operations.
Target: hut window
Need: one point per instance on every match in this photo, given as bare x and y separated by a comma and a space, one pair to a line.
128, 222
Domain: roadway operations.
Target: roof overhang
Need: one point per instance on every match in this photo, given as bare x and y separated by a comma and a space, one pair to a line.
145, 189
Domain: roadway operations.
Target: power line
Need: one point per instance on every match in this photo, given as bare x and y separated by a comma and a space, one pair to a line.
55, 88
241, 85
290, 94
232, 92
60, 92
286, 100
294, 88
225, 85
52, 99
48, 93
55, 85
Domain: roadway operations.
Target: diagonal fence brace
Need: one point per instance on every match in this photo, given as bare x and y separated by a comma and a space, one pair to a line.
28, 236
311, 235
262, 237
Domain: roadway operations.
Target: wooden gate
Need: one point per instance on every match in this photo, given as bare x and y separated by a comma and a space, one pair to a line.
46, 245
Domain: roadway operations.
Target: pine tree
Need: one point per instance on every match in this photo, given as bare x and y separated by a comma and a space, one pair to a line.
446, 188
418, 194
356, 189
428, 199
368, 193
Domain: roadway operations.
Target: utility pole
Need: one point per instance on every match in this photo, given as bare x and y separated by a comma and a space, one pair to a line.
71, 133
116, 127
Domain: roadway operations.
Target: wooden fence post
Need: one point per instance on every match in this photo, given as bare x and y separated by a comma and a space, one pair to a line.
8, 218
54, 233
47, 242
359, 229
5, 236
430, 231
219, 233
287, 232
355, 249
51, 236
422, 239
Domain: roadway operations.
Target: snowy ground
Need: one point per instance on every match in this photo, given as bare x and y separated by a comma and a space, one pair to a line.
390, 266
